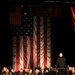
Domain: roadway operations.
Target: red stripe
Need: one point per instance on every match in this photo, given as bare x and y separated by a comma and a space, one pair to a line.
45, 42
19, 15
38, 41
15, 17
31, 52
73, 15
17, 12
25, 51
17, 53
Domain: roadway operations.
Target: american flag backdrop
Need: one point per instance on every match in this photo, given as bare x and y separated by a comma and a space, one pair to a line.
31, 39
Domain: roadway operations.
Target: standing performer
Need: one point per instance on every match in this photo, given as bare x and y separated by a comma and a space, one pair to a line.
61, 64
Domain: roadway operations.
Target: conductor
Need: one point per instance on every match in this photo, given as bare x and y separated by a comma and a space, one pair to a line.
61, 64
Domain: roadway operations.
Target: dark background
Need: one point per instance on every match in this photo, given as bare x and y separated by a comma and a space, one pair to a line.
5, 39
62, 32
64, 37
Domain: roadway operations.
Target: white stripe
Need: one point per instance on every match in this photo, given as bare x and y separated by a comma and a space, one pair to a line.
21, 52
48, 42
34, 42
28, 51
14, 52
42, 42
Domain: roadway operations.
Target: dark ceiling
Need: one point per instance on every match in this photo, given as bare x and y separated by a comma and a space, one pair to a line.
38, 1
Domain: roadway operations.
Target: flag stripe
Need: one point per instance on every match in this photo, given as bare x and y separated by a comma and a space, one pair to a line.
14, 52
17, 53
41, 42
31, 52
21, 52
15, 17
38, 41
45, 42
34, 41
48, 42
28, 52
25, 51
